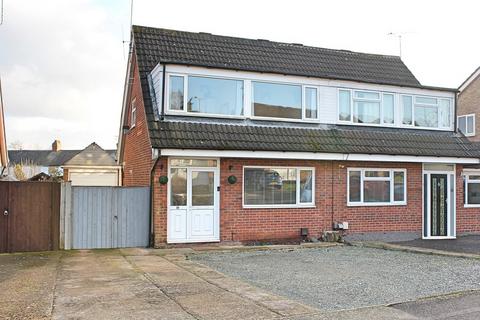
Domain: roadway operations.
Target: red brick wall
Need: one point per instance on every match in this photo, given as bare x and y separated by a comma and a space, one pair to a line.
468, 219
241, 224
137, 152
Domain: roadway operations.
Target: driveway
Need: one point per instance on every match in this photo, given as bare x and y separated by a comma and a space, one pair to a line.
167, 284
463, 244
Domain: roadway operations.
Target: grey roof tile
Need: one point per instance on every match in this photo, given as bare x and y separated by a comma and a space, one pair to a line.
330, 139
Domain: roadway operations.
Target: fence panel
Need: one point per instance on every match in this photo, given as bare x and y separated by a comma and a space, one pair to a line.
110, 217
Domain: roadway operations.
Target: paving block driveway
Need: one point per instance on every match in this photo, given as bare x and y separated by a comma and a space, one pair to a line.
273, 284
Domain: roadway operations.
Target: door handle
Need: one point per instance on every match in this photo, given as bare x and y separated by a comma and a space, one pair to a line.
5, 213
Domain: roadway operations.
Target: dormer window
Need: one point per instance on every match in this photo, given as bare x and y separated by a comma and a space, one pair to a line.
366, 107
426, 112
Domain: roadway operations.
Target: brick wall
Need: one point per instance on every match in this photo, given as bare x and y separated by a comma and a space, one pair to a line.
242, 224
469, 102
137, 152
468, 219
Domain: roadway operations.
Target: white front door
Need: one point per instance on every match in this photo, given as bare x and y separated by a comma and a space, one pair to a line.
193, 213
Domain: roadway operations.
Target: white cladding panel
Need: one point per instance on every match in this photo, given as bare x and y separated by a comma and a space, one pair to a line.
328, 105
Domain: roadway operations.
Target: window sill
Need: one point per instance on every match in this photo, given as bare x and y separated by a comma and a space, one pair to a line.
293, 206
471, 205
376, 204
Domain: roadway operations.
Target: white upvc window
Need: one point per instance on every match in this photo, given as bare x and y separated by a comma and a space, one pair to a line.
205, 95
133, 113
366, 107
426, 112
275, 187
284, 101
466, 124
472, 190
376, 187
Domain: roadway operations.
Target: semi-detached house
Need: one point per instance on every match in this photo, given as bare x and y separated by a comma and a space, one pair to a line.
245, 139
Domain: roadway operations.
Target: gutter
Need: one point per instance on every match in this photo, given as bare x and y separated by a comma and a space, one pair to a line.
152, 193
152, 176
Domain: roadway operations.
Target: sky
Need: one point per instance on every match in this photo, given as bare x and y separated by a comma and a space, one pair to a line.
63, 62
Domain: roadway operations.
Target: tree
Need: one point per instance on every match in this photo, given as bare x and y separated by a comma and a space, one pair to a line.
16, 145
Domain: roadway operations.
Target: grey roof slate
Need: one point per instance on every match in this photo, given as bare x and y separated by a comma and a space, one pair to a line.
155, 45
47, 158
324, 139
93, 155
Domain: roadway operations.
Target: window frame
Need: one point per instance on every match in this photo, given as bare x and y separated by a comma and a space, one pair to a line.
302, 86
437, 105
391, 178
298, 204
381, 94
185, 96
466, 177
471, 134
133, 113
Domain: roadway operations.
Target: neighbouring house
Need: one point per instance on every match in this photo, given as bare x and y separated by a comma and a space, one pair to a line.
3, 139
468, 106
245, 140
91, 166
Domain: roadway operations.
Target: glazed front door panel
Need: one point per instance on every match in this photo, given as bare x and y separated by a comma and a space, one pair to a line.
193, 214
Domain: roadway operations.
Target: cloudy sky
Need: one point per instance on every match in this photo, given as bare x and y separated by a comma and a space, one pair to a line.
62, 63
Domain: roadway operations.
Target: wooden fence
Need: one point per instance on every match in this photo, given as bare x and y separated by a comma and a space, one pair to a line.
29, 216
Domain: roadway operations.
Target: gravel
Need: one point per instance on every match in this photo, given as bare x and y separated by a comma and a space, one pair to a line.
347, 277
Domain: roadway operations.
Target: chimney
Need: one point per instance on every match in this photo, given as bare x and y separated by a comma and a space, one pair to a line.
56, 145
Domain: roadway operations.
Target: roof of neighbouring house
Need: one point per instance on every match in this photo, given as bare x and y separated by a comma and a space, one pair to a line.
93, 155
49, 158
310, 138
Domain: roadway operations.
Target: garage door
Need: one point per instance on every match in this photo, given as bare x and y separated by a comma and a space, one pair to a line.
94, 178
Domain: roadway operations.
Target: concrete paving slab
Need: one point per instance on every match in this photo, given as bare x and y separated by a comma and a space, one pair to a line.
26, 285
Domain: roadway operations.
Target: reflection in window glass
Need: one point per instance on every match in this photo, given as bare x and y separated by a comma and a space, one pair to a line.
270, 186
277, 100
376, 191
444, 109
376, 186
388, 109
425, 100
178, 187
344, 106
311, 99
306, 183
193, 162
215, 96
367, 95
366, 112
407, 106
354, 186
473, 196
176, 93
462, 124
202, 188
377, 174
470, 126
398, 186
426, 116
